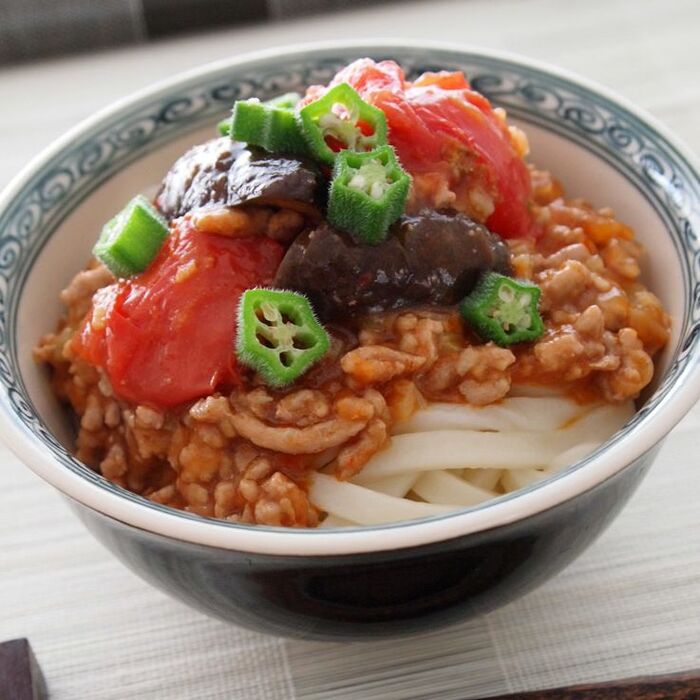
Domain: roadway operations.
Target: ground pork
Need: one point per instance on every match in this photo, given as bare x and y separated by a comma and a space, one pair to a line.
245, 456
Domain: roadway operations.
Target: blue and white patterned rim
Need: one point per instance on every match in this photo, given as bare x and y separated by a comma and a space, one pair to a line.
54, 185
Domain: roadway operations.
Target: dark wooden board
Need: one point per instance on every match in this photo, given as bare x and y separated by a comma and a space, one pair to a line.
679, 686
20, 675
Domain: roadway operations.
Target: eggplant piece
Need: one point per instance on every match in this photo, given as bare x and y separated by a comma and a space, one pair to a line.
259, 175
223, 172
198, 178
341, 277
447, 253
431, 258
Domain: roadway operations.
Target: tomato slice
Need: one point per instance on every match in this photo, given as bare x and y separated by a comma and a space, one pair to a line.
167, 336
444, 130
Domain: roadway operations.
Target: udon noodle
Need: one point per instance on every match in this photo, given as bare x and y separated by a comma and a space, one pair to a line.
355, 308
449, 456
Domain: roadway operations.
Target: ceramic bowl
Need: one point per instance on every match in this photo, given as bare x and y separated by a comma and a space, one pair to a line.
361, 581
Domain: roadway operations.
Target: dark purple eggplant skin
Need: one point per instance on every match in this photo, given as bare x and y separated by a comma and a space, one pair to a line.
259, 175
223, 172
434, 257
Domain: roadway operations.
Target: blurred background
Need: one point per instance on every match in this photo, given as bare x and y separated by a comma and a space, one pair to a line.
33, 29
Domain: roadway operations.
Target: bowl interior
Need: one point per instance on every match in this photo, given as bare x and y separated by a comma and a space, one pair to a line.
597, 148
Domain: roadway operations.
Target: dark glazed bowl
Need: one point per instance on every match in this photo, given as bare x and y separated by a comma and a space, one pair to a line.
355, 582
377, 594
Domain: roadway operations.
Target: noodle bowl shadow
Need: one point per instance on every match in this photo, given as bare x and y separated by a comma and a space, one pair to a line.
355, 582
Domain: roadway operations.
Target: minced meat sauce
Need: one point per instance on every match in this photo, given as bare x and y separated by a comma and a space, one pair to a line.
211, 438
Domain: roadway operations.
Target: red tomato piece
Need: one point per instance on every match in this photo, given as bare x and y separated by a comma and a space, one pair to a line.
446, 133
167, 336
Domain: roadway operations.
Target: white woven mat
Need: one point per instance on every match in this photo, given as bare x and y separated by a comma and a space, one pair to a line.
628, 606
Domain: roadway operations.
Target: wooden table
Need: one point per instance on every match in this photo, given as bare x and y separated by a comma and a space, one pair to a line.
630, 605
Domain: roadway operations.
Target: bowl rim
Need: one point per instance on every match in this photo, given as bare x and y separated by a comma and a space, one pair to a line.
360, 540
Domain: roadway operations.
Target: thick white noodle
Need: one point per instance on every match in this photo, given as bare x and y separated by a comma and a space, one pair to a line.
364, 506
572, 455
483, 478
514, 479
597, 425
395, 485
460, 449
443, 487
453, 456
520, 413
457, 449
